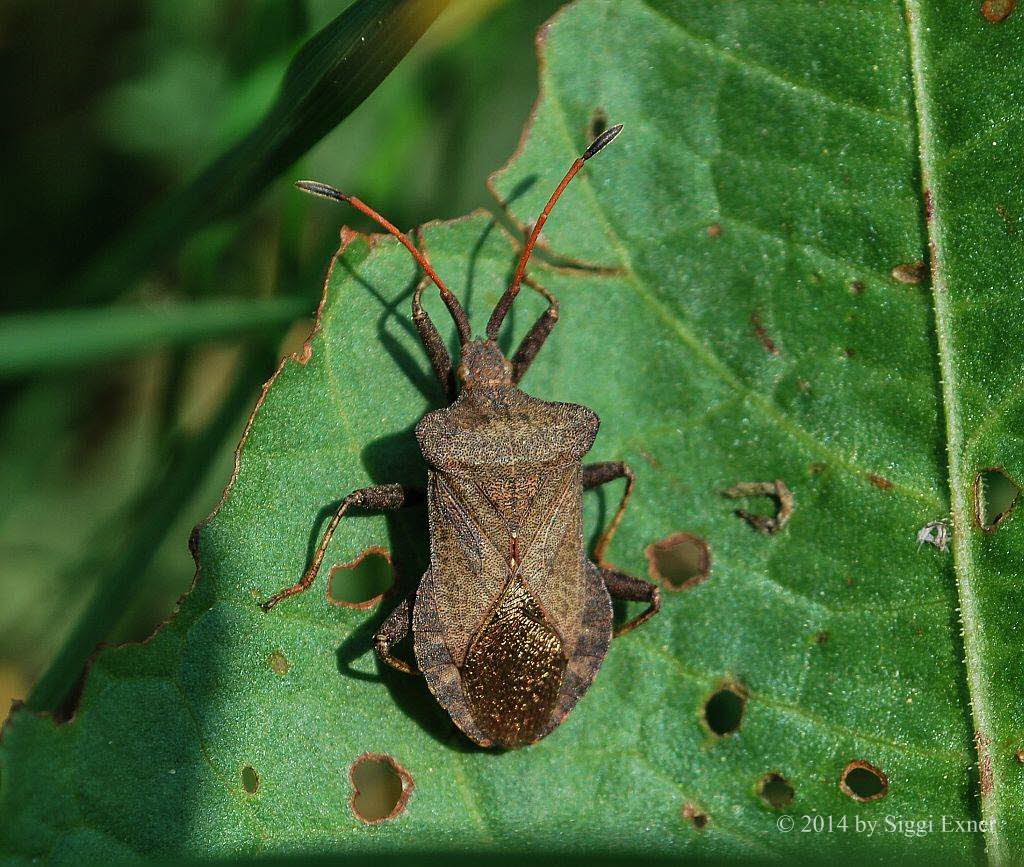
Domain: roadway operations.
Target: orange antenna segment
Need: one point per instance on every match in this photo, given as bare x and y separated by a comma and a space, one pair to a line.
505, 302
326, 191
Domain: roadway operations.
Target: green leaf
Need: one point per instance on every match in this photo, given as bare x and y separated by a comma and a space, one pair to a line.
327, 79
747, 311
34, 342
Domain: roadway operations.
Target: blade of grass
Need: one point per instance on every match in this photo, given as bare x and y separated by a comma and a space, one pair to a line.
169, 493
31, 343
327, 79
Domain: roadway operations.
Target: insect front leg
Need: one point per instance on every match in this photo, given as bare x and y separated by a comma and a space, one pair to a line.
397, 626
595, 475
380, 498
630, 589
536, 336
440, 360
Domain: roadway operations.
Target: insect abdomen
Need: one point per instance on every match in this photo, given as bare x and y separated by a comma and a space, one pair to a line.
513, 670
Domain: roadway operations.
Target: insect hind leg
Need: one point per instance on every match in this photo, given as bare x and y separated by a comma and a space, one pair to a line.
595, 475
397, 626
630, 589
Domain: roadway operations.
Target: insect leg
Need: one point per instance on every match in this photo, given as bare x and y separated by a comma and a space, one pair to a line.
534, 340
630, 589
440, 360
396, 627
595, 475
380, 497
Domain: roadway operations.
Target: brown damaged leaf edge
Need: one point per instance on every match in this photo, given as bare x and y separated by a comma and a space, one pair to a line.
403, 799
340, 568
506, 649
68, 711
862, 765
778, 491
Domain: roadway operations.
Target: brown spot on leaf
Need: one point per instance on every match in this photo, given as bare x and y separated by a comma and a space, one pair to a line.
910, 273
762, 334
929, 205
679, 561
816, 468
997, 11
695, 816
775, 790
848, 352
995, 498
715, 230
1019, 756
821, 637
777, 490
880, 482
724, 708
863, 782
857, 287
982, 744
278, 663
647, 456
1007, 218
380, 788
362, 583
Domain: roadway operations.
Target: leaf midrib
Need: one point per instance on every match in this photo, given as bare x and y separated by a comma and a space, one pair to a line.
970, 620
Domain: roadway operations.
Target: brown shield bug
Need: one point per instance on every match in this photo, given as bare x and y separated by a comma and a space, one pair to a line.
512, 620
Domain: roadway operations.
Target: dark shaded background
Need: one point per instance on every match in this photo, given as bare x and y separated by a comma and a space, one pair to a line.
108, 104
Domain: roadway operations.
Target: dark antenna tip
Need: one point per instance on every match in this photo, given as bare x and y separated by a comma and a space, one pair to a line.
325, 191
602, 140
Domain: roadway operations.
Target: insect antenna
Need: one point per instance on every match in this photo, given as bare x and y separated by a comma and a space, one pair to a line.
505, 302
326, 191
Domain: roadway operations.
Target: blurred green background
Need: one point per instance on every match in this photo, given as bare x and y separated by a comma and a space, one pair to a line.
105, 465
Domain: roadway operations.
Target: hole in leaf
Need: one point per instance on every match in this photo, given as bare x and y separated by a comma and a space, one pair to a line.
910, 273
863, 782
723, 711
250, 780
679, 561
776, 791
995, 497
598, 123
776, 491
696, 817
362, 583
380, 788
278, 663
